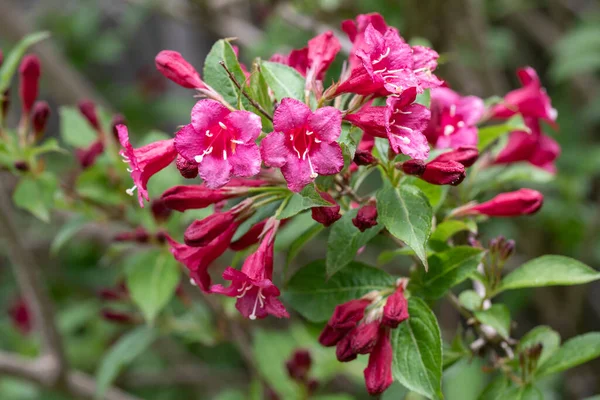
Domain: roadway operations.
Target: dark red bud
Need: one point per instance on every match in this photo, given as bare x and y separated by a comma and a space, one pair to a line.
183, 198
5, 99
41, 113
444, 173
20, 316
140, 235
187, 169
87, 157
364, 337
343, 350
413, 167
466, 155
312, 386
88, 109
160, 211
202, 232
378, 374
21, 165
299, 365
173, 66
326, 215
362, 157
396, 309
117, 317
365, 218
117, 119
29, 72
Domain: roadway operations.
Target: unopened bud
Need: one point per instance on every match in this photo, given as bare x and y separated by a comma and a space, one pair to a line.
364, 337
466, 155
117, 120
511, 204
40, 115
395, 310
344, 351
21, 165
363, 157
173, 66
5, 102
444, 173
29, 72
326, 215
365, 218
187, 169
201, 232
299, 364
87, 108
412, 167
87, 157
160, 211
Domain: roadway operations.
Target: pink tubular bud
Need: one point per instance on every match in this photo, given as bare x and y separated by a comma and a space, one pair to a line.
249, 238
326, 215
87, 108
364, 337
365, 218
117, 317
29, 72
140, 235
344, 318
344, 351
117, 119
444, 173
363, 157
174, 67
299, 365
160, 211
201, 232
187, 169
466, 155
40, 115
378, 374
396, 309
511, 204
413, 167
183, 198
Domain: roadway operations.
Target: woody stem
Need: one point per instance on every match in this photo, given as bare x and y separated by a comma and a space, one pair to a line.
243, 91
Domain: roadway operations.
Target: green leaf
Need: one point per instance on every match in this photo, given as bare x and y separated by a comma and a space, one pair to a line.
489, 134
36, 195
344, 241
498, 317
50, 145
549, 270
259, 91
151, 279
572, 353
417, 346
301, 241
349, 140
11, 61
455, 351
75, 130
314, 296
66, 233
545, 335
195, 326
528, 392
449, 228
446, 270
283, 80
215, 75
407, 215
436, 194
307, 198
497, 176
127, 348
496, 389
470, 300
387, 256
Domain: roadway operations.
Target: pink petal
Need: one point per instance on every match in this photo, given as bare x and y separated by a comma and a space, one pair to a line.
189, 142
246, 124
409, 142
215, 171
290, 114
296, 173
471, 108
326, 123
273, 150
207, 113
463, 137
327, 158
246, 160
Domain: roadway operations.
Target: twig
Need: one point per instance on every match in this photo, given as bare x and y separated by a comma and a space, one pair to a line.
241, 89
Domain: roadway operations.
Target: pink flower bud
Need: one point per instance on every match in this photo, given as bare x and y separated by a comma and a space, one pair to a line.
117, 317
344, 351
187, 169
88, 109
21, 165
173, 66
299, 365
363, 157
117, 119
87, 157
466, 155
140, 235
41, 113
326, 215
511, 204
378, 374
29, 71
20, 316
344, 318
183, 197
160, 211
365, 218
396, 309
202, 232
413, 167
364, 337
444, 173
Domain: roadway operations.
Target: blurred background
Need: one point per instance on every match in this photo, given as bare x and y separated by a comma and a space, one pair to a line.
104, 50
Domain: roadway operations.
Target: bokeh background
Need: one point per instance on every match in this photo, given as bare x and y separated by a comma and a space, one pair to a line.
104, 50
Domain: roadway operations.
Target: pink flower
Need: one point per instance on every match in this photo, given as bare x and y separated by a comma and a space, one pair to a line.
173, 66
303, 143
221, 141
29, 72
201, 232
531, 100
453, 119
145, 161
343, 320
355, 29
436, 172
322, 50
511, 204
390, 66
198, 259
253, 286
378, 374
402, 121
534, 147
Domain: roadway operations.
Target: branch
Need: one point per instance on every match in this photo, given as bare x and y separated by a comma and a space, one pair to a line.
241, 89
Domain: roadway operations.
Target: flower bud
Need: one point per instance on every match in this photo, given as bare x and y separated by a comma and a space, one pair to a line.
87, 108
117, 317
1, 57
41, 113
21, 316
21, 165
413, 167
364, 337
344, 351
29, 72
365, 218
183, 198
249, 238
326, 215
344, 318
117, 119
160, 211
202, 232
5, 103
174, 67
87, 157
187, 169
299, 365
466, 155
378, 374
511, 204
444, 173
140, 235
396, 309
363, 157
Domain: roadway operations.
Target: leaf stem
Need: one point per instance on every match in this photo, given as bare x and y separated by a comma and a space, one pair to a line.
243, 91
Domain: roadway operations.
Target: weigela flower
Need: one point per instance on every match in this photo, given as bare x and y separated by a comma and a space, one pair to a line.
355, 29
174, 67
326, 215
344, 319
436, 172
378, 374
322, 50
531, 100
366, 217
395, 310
466, 155
534, 147
87, 108
87, 157
364, 337
249, 238
221, 141
29, 73
511, 204
389, 66
198, 259
401, 121
453, 119
201, 232
145, 161
253, 287
303, 143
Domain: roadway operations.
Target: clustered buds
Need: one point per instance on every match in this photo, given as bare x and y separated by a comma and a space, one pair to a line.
366, 217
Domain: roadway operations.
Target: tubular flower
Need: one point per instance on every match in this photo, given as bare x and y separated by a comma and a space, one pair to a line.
87, 157
322, 50
303, 143
174, 67
201, 232
511, 204
402, 122
145, 161
378, 374
344, 319
221, 141
533, 147
466, 155
395, 310
29, 72
256, 294
297, 59
355, 29
453, 119
531, 100
87, 108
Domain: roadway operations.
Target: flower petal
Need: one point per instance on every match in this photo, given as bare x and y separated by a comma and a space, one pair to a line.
327, 158
290, 114
273, 150
247, 125
215, 171
246, 160
326, 123
297, 173
207, 113
189, 142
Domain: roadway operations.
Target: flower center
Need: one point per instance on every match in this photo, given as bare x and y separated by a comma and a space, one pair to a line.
451, 121
258, 301
301, 142
220, 140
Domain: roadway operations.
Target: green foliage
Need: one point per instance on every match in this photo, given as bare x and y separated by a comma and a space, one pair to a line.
283, 80
12, 59
498, 317
36, 195
298, 202
572, 353
75, 130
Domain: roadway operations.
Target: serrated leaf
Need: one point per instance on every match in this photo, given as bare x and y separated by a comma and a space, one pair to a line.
489, 134
75, 130
151, 279
36, 195
121, 354
436, 194
549, 270
345, 240
572, 353
314, 296
417, 345
549, 338
498, 317
349, 140
11, 61
284, 81
298, 202
406, 214
446, 270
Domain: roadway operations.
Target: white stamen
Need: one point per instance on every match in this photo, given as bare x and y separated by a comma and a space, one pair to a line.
317, 140
381, 57
404, 139
225, 155
304, 154
453, 110
259, 298
237, 141
399, 111
448, 130
404, 127
380, 71
291, 137
208, 134
200, 157
460, 124
193, 282
313, 174
308, 133
130, 191
129, 170
222, 125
